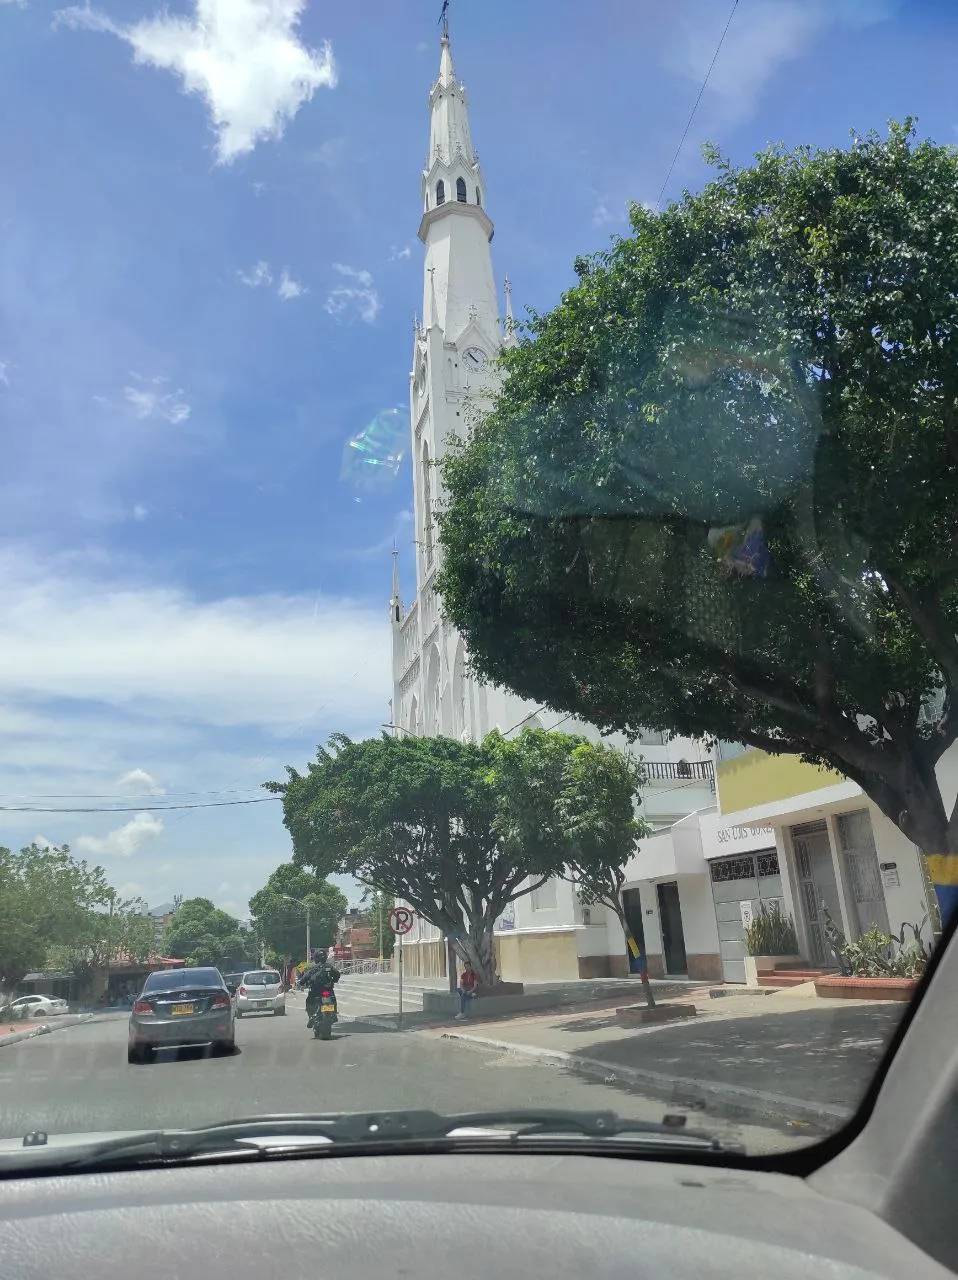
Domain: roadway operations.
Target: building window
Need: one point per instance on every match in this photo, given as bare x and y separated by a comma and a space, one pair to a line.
461, 190
544, 898
478, 197
440, 192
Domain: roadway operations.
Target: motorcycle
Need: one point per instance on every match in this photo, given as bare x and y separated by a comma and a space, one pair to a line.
324, 1016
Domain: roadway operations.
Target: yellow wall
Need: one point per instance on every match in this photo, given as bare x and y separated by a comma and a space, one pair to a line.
537, 957
757, 778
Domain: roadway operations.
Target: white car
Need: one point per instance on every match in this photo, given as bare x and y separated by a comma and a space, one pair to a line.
38, 1007
260, 991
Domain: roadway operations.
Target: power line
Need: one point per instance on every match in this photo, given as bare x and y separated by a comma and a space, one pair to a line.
162, 808
688, 125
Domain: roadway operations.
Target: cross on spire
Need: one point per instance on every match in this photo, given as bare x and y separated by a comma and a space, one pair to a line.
444, 19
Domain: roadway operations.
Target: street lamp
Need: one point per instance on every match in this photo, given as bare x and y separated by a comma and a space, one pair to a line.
412, 733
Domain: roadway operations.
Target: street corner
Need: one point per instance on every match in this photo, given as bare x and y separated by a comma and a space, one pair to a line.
17, 1032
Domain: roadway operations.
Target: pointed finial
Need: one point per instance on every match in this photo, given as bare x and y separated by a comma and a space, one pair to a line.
395, 603
444, 19
433, 307
510, 319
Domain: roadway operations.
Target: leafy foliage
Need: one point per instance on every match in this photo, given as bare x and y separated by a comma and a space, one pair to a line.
457, 829
202, 934
771, 933
875, 954
47, 899
774, 357
118, 929
279, 911
380, 905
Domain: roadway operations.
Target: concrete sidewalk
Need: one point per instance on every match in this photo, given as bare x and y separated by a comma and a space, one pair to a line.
15, 1032
782, 1059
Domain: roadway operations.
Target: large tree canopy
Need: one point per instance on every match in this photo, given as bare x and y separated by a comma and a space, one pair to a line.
201, 934
718, 492
48, 899
457, 829
279, 911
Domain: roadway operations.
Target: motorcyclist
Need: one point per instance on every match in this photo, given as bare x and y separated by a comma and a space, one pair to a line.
322, 975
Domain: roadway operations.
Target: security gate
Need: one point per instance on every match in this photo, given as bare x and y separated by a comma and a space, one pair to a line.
743, 877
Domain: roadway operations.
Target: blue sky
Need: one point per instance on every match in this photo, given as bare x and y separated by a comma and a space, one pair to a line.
208, 275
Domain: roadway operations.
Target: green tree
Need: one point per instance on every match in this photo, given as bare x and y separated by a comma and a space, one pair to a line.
202, 934
596, 806
279, 911
117, 927
457, 829
380, 905
718, 492
46, 898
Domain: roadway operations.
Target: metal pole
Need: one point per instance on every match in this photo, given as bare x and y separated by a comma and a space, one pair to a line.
309, 954
399, 1024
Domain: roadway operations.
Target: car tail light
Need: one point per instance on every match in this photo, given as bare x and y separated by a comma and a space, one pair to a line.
242, 991
142, 1006
221, 1001
327, 994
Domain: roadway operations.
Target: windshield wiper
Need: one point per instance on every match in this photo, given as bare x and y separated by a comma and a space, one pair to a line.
262, 1136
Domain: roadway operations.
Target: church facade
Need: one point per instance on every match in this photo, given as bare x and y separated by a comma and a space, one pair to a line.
546, 935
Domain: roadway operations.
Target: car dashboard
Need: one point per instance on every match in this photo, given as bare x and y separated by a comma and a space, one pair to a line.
472, 1216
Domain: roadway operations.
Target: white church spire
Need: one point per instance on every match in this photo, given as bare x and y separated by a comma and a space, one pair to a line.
455, 227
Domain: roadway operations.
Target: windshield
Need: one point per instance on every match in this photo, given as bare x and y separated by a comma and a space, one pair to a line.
477, 513
174, 979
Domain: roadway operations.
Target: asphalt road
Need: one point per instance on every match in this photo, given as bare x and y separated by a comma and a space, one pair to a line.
78, 1080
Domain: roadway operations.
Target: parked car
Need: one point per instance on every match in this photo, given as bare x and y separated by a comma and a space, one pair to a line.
35, 1007
182, 1007
260, 991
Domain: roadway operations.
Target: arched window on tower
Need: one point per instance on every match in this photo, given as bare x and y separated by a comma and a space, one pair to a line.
461, 190
440, 192
478, 197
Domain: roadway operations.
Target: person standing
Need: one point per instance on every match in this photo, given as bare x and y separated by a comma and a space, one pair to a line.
468, 982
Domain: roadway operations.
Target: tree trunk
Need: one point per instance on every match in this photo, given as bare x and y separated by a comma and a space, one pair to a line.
477, 945
630, 942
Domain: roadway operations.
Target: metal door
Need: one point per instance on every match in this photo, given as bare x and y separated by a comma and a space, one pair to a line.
861, 864
816, 874
744, 877
673, 934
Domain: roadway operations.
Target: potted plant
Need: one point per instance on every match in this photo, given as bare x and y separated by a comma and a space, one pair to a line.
770, 943
877, 965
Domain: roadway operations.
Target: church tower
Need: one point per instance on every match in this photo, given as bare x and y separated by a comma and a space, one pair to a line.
454, 348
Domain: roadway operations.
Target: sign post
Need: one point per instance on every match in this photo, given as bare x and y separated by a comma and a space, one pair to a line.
401, 921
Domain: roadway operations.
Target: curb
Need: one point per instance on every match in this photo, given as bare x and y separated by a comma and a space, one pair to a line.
735, 1102
45, 1028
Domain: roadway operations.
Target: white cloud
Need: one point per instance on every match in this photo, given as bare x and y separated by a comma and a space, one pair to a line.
397, 255
139, 782
761, 38
244, 58
4, 365
149, 404
140, 512
602, 215
358, 299
288, 287
261, 276
126, 840
173, 660
258, 277
329, 153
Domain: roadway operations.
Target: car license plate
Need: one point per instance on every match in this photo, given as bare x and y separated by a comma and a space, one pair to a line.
328, 1008
182, 1008
261, 1004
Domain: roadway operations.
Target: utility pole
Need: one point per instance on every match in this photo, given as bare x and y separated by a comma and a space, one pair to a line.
309, 954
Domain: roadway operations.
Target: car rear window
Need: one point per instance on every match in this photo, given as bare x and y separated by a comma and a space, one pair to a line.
176, 979
261, 978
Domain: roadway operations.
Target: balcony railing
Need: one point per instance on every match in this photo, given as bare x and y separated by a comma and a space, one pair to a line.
680, 771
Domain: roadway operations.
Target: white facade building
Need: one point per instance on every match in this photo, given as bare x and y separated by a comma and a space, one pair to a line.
545, 935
